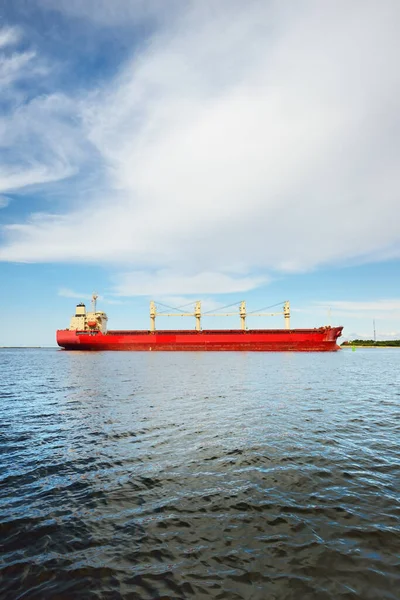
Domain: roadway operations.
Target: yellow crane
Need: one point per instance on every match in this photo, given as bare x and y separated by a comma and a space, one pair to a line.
197, 314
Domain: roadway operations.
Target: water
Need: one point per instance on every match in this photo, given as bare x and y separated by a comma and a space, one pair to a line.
226, 475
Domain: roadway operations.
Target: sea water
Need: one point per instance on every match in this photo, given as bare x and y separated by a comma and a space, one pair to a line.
200, 475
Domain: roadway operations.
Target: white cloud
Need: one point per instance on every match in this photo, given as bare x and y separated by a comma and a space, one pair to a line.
244, 137
116, 12
168, 283
67, 293
4, 201
40, 140
369, 335
9, 36
365, 314
384, 305
11, 179
14, 67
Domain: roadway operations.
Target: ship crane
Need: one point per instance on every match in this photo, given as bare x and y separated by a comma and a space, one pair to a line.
154, 314
197, 314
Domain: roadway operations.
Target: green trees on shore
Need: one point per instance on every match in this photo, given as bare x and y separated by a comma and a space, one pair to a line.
371, 343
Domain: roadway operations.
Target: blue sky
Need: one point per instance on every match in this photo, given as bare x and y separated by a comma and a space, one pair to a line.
181, 150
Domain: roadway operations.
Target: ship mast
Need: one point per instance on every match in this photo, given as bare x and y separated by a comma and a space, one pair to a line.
242, 313
153, 314
197, 314
94, 298
286, 314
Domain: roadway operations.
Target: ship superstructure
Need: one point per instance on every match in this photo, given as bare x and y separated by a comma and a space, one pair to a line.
89, 321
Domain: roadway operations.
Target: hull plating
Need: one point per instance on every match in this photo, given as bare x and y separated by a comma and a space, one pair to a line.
323, 339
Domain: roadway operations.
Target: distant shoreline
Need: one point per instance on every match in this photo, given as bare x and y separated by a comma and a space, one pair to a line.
369, 346
28, 347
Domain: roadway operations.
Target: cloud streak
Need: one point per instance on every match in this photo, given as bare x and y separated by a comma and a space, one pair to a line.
385, 305
117, 12
67, 293
241, 139
40, 138
166, 282
4, 201
9, 36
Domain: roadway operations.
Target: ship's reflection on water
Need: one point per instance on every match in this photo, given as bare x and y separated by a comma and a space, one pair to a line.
237, 475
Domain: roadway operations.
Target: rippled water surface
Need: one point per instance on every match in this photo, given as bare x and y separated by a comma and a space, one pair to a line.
200, 475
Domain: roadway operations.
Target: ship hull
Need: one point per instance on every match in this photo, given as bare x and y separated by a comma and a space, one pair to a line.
323, 339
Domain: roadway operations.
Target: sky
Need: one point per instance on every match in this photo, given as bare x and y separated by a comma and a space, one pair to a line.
179, 150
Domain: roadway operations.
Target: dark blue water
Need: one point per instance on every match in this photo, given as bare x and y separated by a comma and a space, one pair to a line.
215, 475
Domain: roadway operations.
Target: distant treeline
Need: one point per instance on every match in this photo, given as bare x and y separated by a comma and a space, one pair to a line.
371, 343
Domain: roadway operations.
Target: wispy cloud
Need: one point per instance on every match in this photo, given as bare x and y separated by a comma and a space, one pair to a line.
374, 305
9, 36
369, 335
167, 283
243, 137
39, 137
15, 64
4, 201
117, 12
14, 67
40, 143
67, 293
351, 311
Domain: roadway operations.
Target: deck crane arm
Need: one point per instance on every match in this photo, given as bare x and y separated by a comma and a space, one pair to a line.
197, 314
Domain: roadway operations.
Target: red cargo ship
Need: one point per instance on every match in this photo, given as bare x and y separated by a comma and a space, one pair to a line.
88, 331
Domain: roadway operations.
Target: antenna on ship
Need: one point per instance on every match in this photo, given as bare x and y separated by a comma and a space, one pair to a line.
374, 332
94, 298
